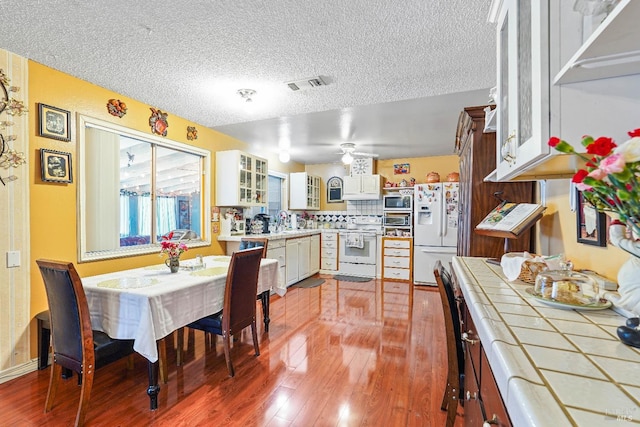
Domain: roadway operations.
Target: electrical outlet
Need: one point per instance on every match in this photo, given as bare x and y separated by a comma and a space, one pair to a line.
13, 259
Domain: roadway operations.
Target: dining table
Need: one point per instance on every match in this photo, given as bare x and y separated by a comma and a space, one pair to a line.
147, 304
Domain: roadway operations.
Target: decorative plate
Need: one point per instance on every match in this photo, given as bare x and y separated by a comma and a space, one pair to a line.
600, 304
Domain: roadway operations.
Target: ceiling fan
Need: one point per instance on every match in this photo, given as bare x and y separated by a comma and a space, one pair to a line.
348, 152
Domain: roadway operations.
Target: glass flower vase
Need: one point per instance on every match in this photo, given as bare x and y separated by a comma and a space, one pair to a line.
173, 263
629, 273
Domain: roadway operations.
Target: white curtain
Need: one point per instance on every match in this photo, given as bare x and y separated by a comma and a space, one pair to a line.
124, 216
144, 216
166, 219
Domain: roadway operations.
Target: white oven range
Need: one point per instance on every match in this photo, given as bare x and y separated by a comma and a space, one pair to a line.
358, 252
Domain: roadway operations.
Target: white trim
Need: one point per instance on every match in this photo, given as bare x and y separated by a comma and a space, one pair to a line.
18, 371
83, 122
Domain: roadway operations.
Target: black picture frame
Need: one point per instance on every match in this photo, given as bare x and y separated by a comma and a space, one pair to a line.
56, 166
334, 190
55, 123
591, 225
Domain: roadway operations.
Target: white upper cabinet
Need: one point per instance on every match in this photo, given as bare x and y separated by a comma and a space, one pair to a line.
523, 86
241, 179
612, 50
362, 187
304, 191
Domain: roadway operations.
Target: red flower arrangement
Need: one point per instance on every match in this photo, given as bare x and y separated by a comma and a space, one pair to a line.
172, 249
610, 180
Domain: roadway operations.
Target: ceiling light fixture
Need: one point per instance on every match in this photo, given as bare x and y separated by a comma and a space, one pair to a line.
246, 94
347, 158
284, 156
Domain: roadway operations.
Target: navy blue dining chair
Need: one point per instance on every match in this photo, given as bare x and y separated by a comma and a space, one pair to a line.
76, 346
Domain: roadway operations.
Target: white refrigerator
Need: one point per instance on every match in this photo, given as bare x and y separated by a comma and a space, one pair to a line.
435, 228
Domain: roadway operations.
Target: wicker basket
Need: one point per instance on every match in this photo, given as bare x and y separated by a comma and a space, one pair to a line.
530, 269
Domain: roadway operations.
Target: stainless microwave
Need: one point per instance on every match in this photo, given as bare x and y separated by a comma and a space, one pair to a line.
398, 202
397, 220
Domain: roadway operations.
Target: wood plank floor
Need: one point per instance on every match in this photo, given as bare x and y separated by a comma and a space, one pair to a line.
341, 354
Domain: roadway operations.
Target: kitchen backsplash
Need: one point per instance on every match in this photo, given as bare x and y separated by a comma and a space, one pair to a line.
354, 208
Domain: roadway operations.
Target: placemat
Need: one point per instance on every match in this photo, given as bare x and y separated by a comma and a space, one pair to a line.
213, 271
128, 283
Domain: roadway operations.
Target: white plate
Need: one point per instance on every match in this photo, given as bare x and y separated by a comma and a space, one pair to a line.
599, 305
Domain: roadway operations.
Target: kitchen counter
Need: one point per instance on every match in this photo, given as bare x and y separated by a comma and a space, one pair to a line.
275, 236
552, 366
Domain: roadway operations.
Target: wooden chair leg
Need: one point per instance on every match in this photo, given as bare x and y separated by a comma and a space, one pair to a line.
445, 398
254, 332
452, 409
130, 362
56, 375
227, 353
85, 395
162, 359
180, 346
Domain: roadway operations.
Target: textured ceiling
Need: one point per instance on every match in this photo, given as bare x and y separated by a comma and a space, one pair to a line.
398, 73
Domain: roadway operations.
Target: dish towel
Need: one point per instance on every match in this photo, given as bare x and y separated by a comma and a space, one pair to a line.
355, 240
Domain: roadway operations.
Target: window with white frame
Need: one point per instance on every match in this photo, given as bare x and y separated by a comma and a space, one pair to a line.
136, 188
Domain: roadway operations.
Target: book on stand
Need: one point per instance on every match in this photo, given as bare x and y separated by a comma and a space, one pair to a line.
509, 219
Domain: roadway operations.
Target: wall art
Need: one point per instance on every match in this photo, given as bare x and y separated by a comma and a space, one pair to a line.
55, 166
192, 133
117, 108
158, 122
590, 224
401, 168
55, 123
334, 190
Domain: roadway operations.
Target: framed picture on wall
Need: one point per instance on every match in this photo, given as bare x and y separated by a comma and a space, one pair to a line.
55, 166
55, 123
591, 224
334, 190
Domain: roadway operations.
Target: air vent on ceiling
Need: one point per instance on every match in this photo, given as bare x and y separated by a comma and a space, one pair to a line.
306, 83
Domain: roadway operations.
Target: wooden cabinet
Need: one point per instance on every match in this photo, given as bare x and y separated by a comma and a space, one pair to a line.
483, 401
329, 253
397, 259
362, 187
241, 179
304, 191
477, 152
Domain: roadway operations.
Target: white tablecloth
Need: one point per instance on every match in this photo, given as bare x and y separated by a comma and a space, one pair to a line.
147, 304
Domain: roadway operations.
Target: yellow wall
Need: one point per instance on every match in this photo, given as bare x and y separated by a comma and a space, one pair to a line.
558, 235
419, 167
53, 206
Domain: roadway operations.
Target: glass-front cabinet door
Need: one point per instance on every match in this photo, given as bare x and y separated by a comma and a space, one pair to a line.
241, 179
523, 86
262, 178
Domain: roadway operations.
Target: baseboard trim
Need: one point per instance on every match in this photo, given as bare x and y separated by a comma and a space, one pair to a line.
18, 371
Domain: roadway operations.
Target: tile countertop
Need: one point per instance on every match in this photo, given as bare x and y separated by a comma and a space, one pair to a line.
275, 236
552, 366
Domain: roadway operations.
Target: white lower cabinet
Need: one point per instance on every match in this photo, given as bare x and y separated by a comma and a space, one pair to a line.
276, 250
314, 254
396, 258
329, 253
298, 259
